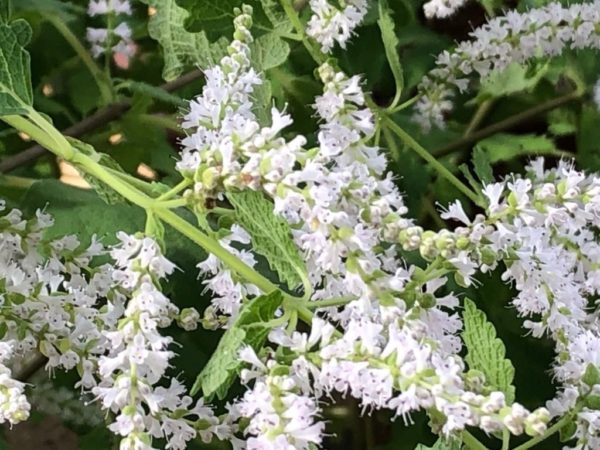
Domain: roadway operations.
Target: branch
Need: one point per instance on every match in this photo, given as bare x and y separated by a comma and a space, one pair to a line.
508, 123
93, 122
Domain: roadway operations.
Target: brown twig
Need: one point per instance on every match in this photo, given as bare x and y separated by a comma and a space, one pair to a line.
506, 124
93, 122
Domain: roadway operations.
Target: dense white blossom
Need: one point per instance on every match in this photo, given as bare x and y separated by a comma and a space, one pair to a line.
330, 24
512, 38
442, 8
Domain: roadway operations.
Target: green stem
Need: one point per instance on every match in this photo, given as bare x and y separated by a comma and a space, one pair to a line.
133, 195
183, 184
505, 439
330, 302
391, 143
478, 117
213, 246
103, 83
549, 432
170, 204
405, 104
292, 15
142, 185
472, 442
9, 181
423, 153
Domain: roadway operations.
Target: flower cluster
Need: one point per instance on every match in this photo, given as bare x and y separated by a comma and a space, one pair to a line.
442, 9
397, 345
115, 37
330, 24
138, 356
512, 38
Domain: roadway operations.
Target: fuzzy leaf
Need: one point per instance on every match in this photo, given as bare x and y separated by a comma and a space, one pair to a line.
149, 90
222, 368
515, 78
181, 49
440, 444
504, 146
486, 352
391, 43
271, 235
269, 22
482, 166
15, 76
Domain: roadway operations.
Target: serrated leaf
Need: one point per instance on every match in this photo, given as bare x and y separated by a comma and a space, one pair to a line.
504, 146
562, 122
482, 166
486, 352
222, 368
515, 78
391, 43
181, 49
215, 18
269, 51
155, 92
441, 444
271, 235
15, 76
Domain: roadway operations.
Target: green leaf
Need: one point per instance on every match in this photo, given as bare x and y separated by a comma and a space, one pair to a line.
391, 43
440, 444
562, 122
482, 165
15, 75
271, 235
155, 92
588, 138
215, 18
222, 368
515, 78
269, 51
504, 146
181, 49
80, 211
486, 352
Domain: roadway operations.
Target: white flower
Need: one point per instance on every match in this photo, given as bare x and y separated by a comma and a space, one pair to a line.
328, 24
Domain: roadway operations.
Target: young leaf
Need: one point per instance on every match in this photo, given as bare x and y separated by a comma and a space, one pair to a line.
440, 444
222, 368
15, 75
482, 166
181, 49
486, 352
390, 43
271, 235
149, 90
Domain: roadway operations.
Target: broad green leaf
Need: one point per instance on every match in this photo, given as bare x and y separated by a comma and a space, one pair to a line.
269, 51
440, 444
391, 44
486, 352
81, 212
515, 78
222, 368
181, 49
271, 235
15, 76
504, 146
215, 18
482, 165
